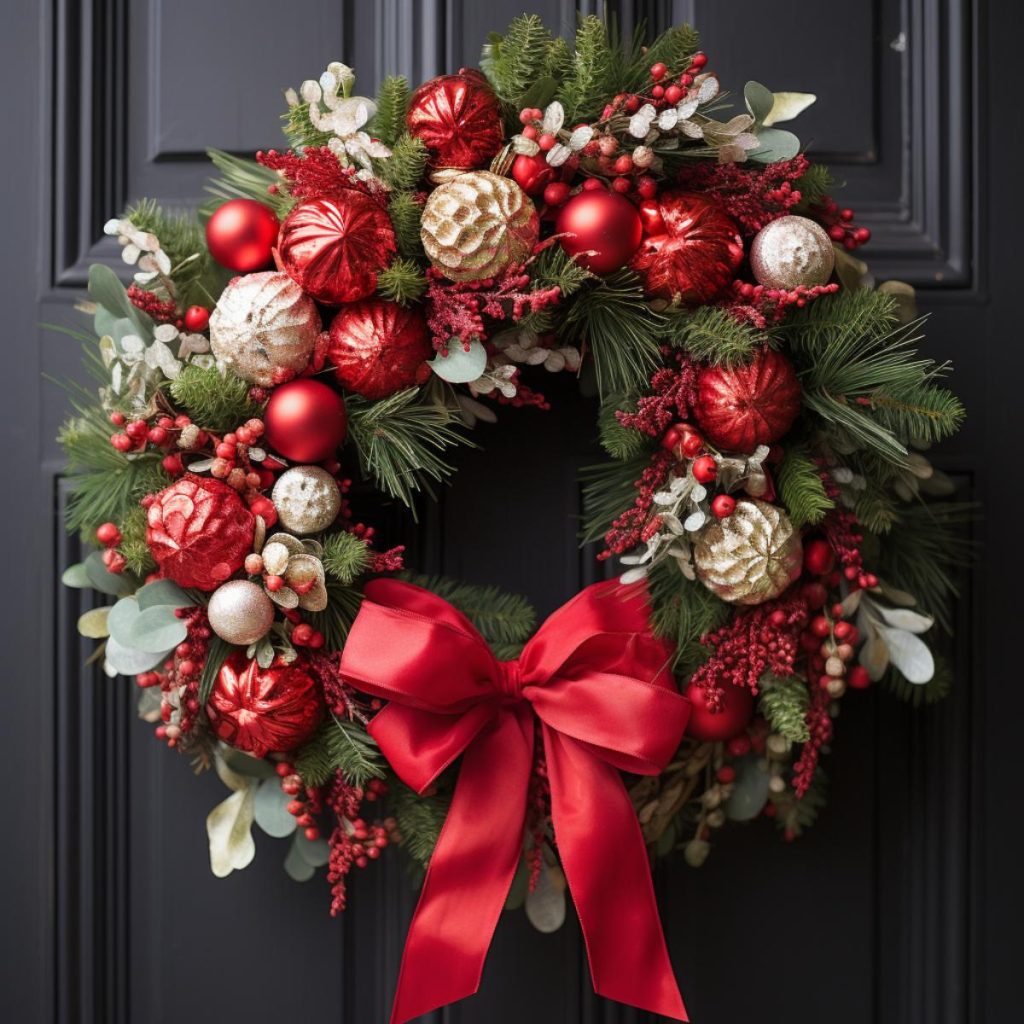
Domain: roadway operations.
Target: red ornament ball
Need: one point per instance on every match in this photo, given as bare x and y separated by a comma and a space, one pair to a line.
458, 119
199, 532
601, 229
241, 234
740, 407
691, 249
305, 420
264, 711
532, 173
334, 247
378, 347
718, 726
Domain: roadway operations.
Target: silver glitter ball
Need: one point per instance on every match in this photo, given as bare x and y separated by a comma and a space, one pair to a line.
264, 328
307, 499
751, 556
792, 251
240, 612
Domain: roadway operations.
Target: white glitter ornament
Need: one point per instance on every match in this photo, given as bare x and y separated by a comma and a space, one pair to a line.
751, 556
792, 251
240, 613
264, 328
307, 499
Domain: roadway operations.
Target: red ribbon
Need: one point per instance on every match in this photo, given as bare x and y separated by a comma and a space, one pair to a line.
599, 683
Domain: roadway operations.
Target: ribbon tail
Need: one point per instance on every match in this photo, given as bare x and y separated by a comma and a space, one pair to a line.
610, 880
470, 871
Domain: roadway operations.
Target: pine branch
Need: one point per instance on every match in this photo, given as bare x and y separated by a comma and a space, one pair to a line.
214, 402
403, 170
682, 611
399, 440
515, 61
345, 556
299, 129
406, 215
133, 544
419, 819
674, 48
216, 654
403, 281
590, 78
814, 185
783, 703
618, 441
921, 694
609, 488
340, 746
392, 101
801, 488
793, 816
711, 335
622, 331
502, 619
246, 179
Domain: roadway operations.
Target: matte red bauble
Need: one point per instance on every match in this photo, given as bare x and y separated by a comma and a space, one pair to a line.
532, 173
717, 726
458, 119
741, 407
333, 248
601, 229
305, 421
264, 710
241, 234
691, 249
378, 347
199, 532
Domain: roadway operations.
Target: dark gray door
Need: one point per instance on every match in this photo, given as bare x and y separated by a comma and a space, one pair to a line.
902, 905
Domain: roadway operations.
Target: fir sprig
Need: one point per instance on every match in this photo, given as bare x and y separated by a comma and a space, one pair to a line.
406, 213
299, 129
674, 48
618, 441
340, 745
336, 619
711, 335
801, 488
403, 281
419, 820
403, 170
515, 61
392, 100
609, 488
784, 701
214, 402
591, 76
345, 556
246, 179
682, 611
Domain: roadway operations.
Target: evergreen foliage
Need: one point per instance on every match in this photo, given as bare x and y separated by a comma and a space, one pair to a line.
801, 488
609, 488
795, 815
244, 179
216, 654
682, 611
133, 544
340, 746
514, 62
618, 441
214, 402
814, 185
783, 703
392, 101
336, 619
711, 335
300, 130
921, 694
403, 281
591, 75
406, 213
419, 819
674, 48
400, 439
345, 556
404, 169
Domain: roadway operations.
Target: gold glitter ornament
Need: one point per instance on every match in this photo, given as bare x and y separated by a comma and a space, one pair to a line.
750, 556
307, 499
792, 251
477, 224
240, 612
264, 328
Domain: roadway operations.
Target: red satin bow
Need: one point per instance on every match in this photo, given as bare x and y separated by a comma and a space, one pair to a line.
599, 683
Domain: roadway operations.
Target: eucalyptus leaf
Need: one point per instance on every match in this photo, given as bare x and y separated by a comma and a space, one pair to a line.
107, 291
163, 593
93, 623
545, 905
155, 629
759, 100
298, 868
245, 764
270, 809
76, 576
910, 654
461, 365
122, 615
116, 584
749, 791
315, 852
776, 144
127, 661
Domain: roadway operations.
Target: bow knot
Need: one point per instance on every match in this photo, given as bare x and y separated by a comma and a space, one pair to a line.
600, 685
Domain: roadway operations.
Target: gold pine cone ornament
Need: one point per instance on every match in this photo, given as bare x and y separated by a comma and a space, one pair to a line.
477, 224
750, 556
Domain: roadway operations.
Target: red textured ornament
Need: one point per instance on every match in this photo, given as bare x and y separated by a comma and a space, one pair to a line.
741, 407
717, 726
305, 420
199, 531
333, 248
601, 229
377, 347
458, 119
532, 173
264, 710
241, 234
691, 249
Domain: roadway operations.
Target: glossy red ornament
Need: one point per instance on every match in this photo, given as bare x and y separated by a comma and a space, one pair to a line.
740, 407
264, 710
305, 420
691, 249
377, 347
199, 532
717, 726
532, 173
334, 247
241, 234
458, 119
601, 229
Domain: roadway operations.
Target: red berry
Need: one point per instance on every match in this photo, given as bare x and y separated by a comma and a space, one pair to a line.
546, 141
108, 535
658, 71
726, 774
137, 429
117, 418
621, 185
843, 631
283, 768
820, 626
157, 435
592, 184
197, 319
698, 60
632, 104
556, 193
122, 442
673, 94
273, 583
172, 464
857, 677
623, 164
312, 833
862, 235
739, 745
302, 634
693, 444
705, 469
647, 187
819, 558
723, 506
658, 91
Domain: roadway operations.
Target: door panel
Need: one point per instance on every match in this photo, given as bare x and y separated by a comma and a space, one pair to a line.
868, 917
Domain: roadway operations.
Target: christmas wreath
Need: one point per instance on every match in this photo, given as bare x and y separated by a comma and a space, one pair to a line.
351, 308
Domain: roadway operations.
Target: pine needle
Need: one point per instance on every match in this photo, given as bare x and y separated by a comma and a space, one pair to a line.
214, 402
801, 488
783, 703
710, 335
